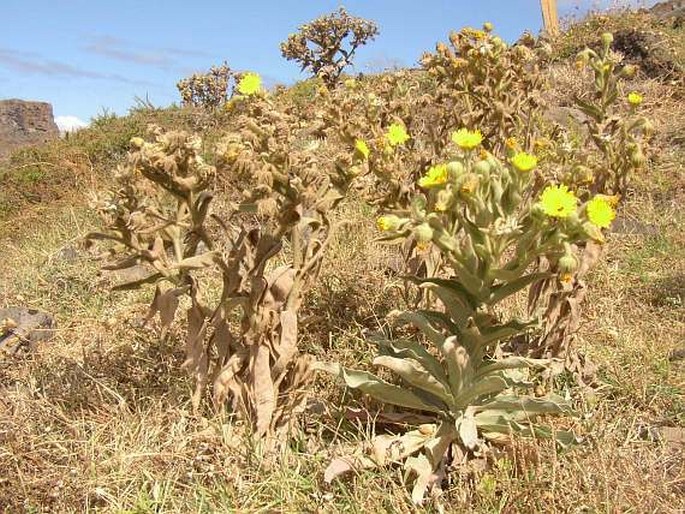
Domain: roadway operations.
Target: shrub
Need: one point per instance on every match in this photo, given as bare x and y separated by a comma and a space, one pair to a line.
326, 45
208, 90
484, 219
263, 254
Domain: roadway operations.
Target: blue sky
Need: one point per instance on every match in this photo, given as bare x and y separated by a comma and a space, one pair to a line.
84, 56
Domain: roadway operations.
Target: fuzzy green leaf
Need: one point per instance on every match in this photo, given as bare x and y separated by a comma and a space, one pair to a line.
422, 320
502, 291
414, 350
385, 392
412, 372
510, 363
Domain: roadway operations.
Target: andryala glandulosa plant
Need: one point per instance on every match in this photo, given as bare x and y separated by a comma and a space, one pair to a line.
208, 90
597, 160
489, 226
326, 45
261, 255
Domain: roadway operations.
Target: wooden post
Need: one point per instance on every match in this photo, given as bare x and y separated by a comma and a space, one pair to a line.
549, 16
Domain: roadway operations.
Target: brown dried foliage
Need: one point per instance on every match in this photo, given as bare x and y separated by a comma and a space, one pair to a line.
326, 45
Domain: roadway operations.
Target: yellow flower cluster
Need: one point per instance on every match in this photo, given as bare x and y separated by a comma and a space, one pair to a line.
600, 212
467, 139
524, 162
558, 201
250, 84
435, 176
396, 134
361, 147
634, 98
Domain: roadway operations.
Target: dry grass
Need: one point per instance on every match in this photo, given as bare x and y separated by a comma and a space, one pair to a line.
99, 419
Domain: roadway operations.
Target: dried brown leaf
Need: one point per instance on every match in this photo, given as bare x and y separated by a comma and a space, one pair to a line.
263, 391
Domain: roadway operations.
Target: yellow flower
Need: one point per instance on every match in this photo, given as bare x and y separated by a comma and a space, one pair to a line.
435, 176
250, 84
600, 212
386, 223
361, 146
423, 247
511, 143
558, 201
469, 183
467, 139
396, 134
566, 278
634, 98
523, 161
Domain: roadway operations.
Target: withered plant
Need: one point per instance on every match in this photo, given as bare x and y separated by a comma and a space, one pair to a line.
262, 254
326, 45
208, 90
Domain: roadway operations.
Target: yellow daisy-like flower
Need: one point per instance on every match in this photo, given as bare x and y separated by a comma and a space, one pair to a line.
250, 84
386, 223
523, 161
558, 201
435, 176
600, 212
361, 146
511, 143
467, 139
634, 98
396, 134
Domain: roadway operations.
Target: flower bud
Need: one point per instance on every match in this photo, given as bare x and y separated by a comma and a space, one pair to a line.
482, 168
423, 233
455, 169
568, 263
137, 142
629, 71
443, 201
607, 39
488, 27
637, 158
388, 223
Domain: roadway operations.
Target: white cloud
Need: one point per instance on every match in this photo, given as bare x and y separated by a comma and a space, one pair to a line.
69, 123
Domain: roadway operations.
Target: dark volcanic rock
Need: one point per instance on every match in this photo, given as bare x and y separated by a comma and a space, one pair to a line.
24, 123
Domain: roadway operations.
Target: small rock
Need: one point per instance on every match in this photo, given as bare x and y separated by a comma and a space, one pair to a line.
677, 355
21, 328
69, 254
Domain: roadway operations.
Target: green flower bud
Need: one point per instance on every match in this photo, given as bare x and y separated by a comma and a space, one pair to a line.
455, 169
607, 39
482, 168
423, 233
637, 158
488, 27
568, 263
629, 71
443, 200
